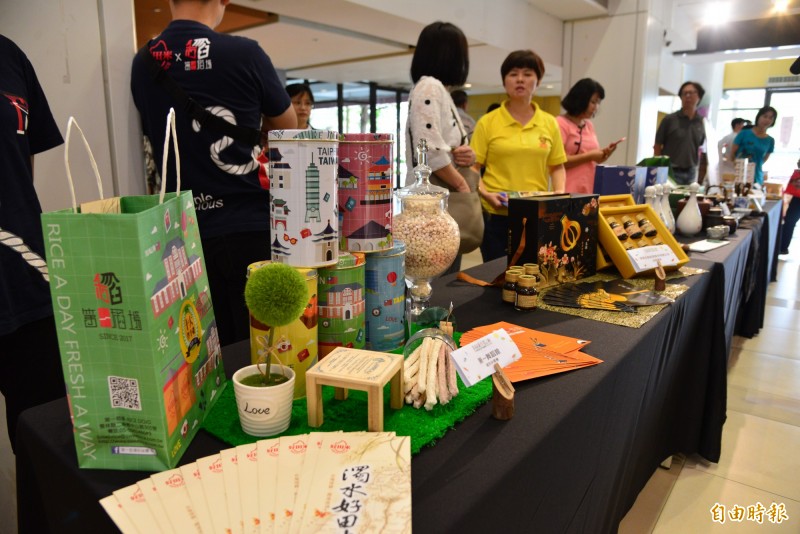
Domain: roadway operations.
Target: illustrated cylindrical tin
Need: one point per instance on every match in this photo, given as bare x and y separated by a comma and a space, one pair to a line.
366, 171
386, 298
302, 184
341, 304
299, 350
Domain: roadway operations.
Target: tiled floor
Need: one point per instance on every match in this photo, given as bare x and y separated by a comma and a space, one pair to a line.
760, 440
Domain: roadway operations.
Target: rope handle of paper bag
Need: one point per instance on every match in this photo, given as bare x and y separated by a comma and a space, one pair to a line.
171, 132
70, 122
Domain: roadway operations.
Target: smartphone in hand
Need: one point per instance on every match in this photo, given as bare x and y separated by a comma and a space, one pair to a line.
618, 141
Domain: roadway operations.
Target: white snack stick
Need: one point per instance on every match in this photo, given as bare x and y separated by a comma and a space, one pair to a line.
412, 358
410, 382
412, 394
411, 372
452, 383
441, 376
424, 362
431, 400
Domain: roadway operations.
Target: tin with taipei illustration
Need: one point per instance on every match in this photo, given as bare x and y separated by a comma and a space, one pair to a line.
366, 171
303, 196
341, 304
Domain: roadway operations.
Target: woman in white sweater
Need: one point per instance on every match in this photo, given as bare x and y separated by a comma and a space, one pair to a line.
441, 60
440, 64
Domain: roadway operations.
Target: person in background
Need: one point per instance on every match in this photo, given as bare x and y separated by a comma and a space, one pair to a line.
755, 143
461, 99
792, 214
519, 145
232, 207
725, 144
29, 347
303, 103
681, 134
441, 60
577, 132
493, 106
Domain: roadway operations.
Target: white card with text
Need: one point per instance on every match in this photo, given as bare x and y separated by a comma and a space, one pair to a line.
645, 258
475, 361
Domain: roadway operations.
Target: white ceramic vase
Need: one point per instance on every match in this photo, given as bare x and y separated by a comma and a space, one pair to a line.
652, 199
690, 221
264, 411
666, 209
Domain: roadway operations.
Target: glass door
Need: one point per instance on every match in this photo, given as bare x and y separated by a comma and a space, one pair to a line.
786, 133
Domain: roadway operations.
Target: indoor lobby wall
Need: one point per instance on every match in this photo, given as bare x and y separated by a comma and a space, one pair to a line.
622, 52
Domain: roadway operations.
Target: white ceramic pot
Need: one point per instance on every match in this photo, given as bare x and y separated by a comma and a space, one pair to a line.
264, 411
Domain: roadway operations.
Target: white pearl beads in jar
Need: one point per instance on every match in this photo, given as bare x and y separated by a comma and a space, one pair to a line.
430, 234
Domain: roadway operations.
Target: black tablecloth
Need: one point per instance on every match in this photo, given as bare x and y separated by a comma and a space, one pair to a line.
763, 262
735, 261
573, 459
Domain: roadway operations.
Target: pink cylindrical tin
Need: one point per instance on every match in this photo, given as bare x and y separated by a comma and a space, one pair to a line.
366, 171
302, 184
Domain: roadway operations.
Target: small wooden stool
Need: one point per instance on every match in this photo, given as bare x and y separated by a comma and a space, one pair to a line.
364, 370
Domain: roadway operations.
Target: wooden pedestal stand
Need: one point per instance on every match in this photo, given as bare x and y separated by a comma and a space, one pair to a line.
502, 395
364, 370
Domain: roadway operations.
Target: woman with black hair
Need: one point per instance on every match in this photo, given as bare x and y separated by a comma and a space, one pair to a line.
441, 60
303, 103
577, 132
440, 64
755, 143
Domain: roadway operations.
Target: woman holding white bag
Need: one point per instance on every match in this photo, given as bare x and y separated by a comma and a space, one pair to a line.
441, 61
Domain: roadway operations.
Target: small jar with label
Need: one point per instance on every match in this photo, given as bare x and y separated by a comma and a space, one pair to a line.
631, 227
533, 270
527, 293
628, 245
645, 225
657, 241
617, 228
642, 243
510, 286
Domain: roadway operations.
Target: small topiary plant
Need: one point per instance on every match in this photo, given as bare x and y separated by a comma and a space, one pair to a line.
276, 294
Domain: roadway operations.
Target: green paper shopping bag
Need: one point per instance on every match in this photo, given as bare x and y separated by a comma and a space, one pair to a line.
138, 340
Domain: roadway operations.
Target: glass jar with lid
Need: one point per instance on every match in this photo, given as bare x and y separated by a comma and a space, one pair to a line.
431, 235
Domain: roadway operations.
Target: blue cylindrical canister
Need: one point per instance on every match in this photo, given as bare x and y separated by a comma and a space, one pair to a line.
386, 303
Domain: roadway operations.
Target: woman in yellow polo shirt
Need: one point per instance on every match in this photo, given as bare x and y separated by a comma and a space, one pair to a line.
519, 145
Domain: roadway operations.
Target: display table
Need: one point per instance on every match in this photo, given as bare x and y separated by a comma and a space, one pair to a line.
763, 263
748, 269
733, 261
576, 454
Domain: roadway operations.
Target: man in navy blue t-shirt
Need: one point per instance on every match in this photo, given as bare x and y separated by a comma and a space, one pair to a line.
31, 366
233, 78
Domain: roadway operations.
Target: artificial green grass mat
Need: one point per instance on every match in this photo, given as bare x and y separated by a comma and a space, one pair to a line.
422, 426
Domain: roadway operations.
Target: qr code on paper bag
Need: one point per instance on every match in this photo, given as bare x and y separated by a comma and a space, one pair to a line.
124, 393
